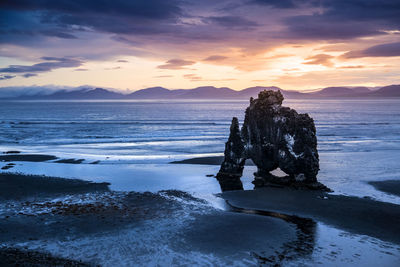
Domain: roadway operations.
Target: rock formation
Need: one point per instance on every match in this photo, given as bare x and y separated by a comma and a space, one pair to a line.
273, 137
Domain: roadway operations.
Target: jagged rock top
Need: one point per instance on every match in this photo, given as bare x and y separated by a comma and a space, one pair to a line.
268, 98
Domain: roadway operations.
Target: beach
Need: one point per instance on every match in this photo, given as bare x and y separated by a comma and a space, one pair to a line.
50, 219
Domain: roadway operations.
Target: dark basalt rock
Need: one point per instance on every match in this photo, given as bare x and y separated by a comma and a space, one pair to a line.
272, 136
233, 164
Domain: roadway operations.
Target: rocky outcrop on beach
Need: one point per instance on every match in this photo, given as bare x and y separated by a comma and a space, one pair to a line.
272, 136
233, 164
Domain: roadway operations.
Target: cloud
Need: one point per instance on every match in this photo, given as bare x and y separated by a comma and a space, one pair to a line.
50, 64
157, 9
320, 59
233, 22
281, 3
28, 75
80, 69
318, 27
352, 67
215, 58
163, 76
58, 33
279, 56
114, 16
344, 19
192, 77
6, 77
382, 50
113, 68
176, 64
122, 61
249, 32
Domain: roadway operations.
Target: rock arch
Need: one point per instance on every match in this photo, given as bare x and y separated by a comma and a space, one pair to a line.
272, 136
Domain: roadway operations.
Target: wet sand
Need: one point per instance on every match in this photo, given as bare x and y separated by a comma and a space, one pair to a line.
70, 161
21, 186
172, 219
388, 186
19, 257
11, 155
26, 157
217, 160
357, 215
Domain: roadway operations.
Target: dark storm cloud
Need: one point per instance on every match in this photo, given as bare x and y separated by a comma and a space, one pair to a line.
176, 64
155, 9
382, 50
284, 3
50, 64
344, 19
33, 19
233, 22
321, 28
141, 22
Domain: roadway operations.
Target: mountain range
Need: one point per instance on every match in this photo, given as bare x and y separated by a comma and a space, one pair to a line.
205, 92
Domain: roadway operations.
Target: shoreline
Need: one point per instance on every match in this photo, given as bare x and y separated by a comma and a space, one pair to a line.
388, 186
216, 160
357, 215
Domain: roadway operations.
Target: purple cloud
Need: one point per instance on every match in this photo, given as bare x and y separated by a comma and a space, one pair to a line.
6, 77
382, 50
28, 75
176, 64
320, 59
215, 58
50, 64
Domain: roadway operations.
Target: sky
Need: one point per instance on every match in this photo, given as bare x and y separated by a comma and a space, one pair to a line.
177, 44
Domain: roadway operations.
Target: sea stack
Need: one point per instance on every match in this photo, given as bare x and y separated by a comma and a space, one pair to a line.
272, 136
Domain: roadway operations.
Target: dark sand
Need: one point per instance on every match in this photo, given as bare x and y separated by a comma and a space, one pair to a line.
389, 186
12, 152
26, 157
356, 215
19, 186
217, 160
17, 257
70, 161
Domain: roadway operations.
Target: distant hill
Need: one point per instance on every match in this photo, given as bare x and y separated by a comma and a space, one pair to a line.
387, 91
150, 93
341, 92
84, 94
204, 92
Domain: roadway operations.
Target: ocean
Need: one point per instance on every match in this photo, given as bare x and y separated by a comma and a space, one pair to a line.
160, 131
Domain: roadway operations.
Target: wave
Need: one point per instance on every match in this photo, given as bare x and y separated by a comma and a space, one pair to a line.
120, 123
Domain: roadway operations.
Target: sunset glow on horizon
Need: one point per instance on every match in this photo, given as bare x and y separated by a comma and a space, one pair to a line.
130, 45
